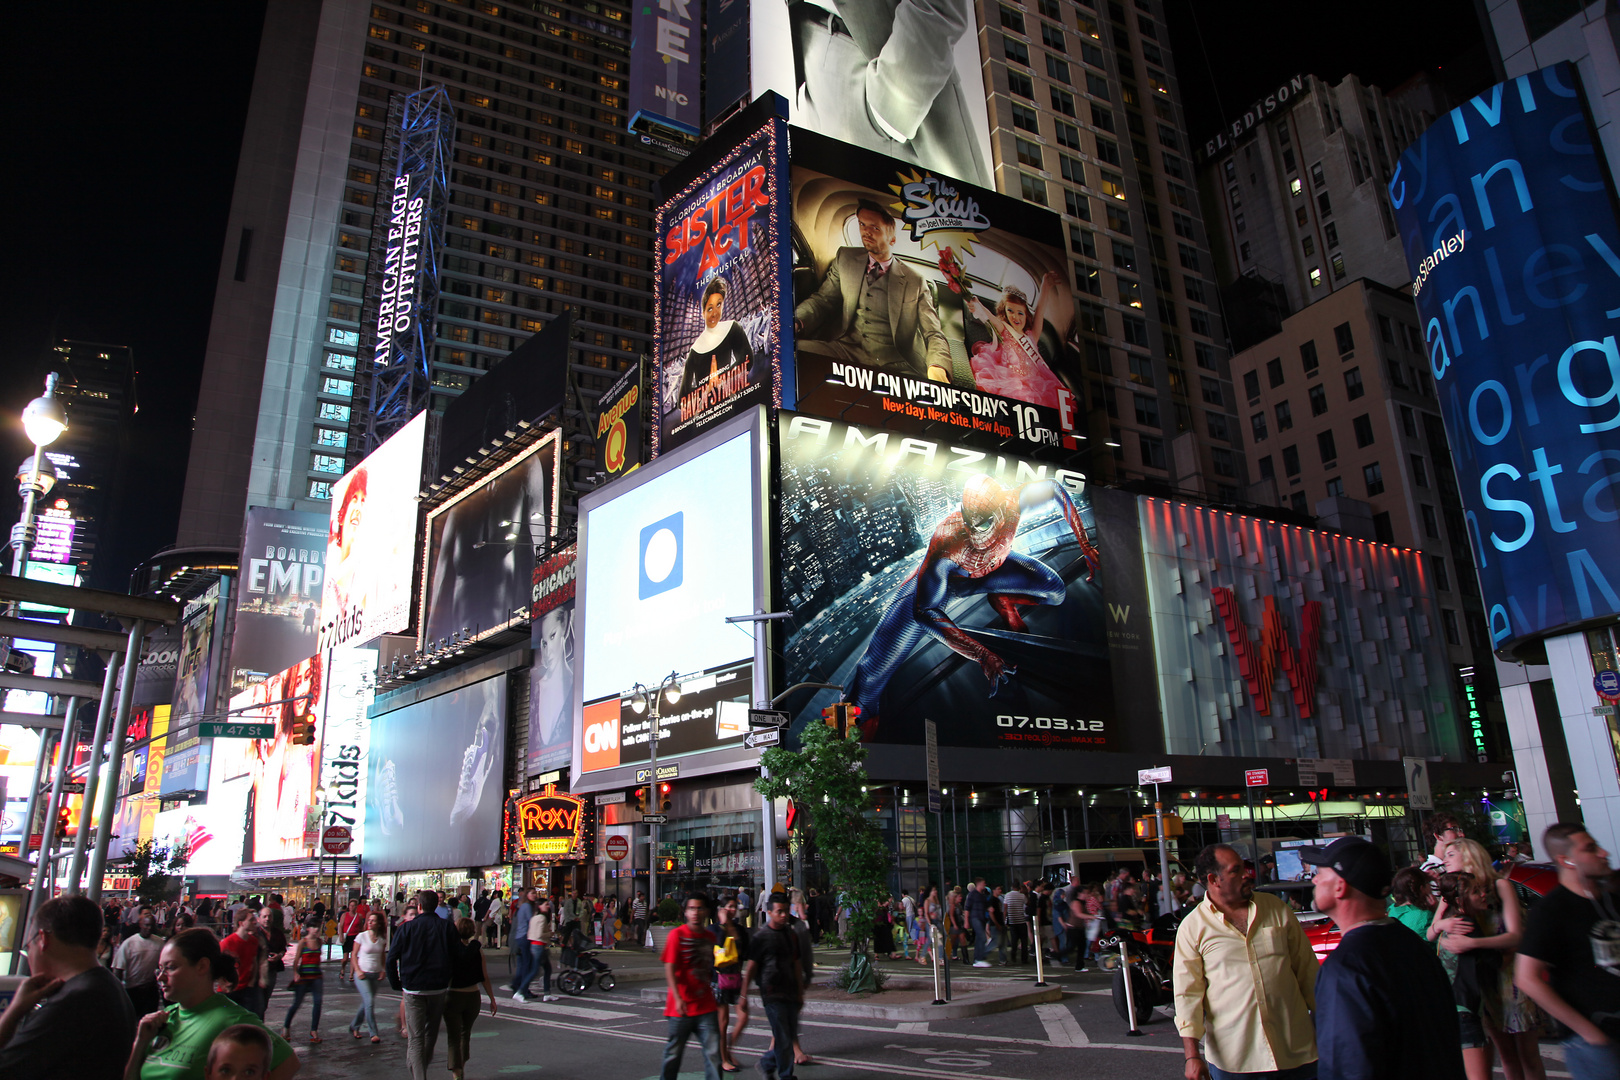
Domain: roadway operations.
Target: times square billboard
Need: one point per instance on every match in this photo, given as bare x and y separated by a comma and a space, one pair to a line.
1506, 211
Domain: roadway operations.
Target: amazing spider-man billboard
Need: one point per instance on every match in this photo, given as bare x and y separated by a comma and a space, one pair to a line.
936, 581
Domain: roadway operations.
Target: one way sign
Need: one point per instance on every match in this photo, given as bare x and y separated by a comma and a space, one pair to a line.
763, 737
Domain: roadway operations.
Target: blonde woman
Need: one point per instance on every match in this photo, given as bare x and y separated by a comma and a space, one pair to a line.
1510, 1020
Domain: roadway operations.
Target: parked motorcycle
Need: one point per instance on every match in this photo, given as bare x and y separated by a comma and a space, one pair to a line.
1151, 952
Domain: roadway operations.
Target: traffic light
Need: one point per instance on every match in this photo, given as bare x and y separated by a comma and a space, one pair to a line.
666, 866
64, 823
663, 798
841, 717
303, 731
638, 799
1147, 828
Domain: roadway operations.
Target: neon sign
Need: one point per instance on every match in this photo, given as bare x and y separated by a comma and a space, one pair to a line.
550, 825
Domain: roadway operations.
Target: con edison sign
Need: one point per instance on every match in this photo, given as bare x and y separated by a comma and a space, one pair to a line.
1506, 214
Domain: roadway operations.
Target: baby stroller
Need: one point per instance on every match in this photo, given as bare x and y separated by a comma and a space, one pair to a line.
580, 967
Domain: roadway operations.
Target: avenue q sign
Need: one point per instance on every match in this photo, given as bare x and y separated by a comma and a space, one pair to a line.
548, 826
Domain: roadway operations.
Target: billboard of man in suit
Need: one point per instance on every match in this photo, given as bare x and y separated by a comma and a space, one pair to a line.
873, 309
886, 75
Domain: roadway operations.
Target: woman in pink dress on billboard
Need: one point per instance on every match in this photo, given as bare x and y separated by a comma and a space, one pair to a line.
1012, 365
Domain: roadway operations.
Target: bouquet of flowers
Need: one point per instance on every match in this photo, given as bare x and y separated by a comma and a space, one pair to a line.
955, 273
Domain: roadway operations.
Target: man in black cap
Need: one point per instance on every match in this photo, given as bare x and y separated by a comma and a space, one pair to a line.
1384, 1008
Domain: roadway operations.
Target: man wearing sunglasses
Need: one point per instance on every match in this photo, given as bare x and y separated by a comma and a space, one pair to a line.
69, 993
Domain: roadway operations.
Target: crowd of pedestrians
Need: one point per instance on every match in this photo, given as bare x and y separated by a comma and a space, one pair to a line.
1438, 972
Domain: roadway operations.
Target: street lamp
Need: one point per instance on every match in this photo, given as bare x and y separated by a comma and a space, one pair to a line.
320, 855
44, 421
641, 700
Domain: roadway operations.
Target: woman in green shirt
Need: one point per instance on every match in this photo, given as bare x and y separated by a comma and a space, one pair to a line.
1411, 900
173, 1044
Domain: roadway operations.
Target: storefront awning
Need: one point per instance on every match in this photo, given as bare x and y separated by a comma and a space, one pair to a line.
342, 866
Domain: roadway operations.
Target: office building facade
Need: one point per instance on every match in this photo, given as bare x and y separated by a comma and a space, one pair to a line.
1086, 119
549, 209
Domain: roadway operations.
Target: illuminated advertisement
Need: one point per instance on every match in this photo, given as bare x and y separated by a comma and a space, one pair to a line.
478, 548
53, 536
345, 738
283, 773
213, 832
551, 679
155, 677
721, 267
56, 574
666, 67
278, 603
433, 787
370, 542
668, 553
1506, 213
193, 680
897, 76
618, 425
926, 305
551, 826
934, 581
1277, 641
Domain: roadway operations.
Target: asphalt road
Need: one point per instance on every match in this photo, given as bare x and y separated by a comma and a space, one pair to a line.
614, 1036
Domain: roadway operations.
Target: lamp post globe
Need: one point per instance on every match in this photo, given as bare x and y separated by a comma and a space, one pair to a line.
44, 420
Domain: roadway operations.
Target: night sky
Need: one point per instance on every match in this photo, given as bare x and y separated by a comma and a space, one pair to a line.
125, 122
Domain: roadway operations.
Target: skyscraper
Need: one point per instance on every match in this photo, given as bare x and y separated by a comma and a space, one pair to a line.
549, 208
1086, 119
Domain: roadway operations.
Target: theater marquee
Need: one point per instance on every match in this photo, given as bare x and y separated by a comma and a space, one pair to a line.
551, 826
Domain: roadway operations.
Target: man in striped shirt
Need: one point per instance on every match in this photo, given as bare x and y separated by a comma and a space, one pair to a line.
1014, 906
638, 920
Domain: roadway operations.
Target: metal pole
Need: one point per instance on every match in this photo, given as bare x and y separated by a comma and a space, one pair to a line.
1164, 854
109, 794
103, 713
933, 941
47, 833
25, 535
1125, 972
1040, 968
767, 809
40, 766
1254, 828
653, 710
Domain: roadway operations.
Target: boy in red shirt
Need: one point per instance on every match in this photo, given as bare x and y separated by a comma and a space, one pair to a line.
245, 947
690, 1004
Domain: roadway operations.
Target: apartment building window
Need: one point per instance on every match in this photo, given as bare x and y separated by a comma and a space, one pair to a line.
1442, 576
1307, 244
1409, 422
1308, 359
1076, 205
330, 411
1147, 411
1073, 171
320, 489
1251, 386
1420, 471
1119, 219
1050, 9
1431, 521
1325, 447
340, 387
1108, 152
1338, 268
1268, 471
1317, 176
1386, 329
1364, 430
1335, 487
1296, 502
1448, 620
1199, 321
1257, 427
1324, 204
1182, 224
1234, 196
1211, 390
1318, 398
1285, 416
337, 336
1034, 188
1225, 464
1167, 137
1331, 232
1189, 257
1063, 102
1274, 372
1316, 276
1057, 69
1015, 50
340, 361
1021, 84
326, 463
1091, 54
1029, 153
1135, 332
1194, 288
1204, 355
1026, 118
1124, 256
1088, 279
1097, 86
1352, 383
1374, 476
1290, 456
1012, 19
1083, 241
327, 437
1220, 426
1152, 452
1145, 24
1067, 134
1052, 37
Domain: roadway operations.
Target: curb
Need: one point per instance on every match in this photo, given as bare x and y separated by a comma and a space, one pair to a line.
985, 1002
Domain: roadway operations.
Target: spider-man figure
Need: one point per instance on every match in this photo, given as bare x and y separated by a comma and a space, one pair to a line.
970, 554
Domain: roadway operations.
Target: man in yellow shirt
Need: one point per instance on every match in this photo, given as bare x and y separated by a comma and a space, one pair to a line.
1245, 980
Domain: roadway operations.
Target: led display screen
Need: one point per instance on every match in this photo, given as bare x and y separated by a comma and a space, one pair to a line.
556, 662
668, 553
371, 542
278, 605
478, 561
935, 581
434, 781
282, 773
1506, 214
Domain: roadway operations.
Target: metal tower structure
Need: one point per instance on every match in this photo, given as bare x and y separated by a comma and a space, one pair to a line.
402, 281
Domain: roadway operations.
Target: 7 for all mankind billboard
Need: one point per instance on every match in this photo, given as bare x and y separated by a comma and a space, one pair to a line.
1507, 215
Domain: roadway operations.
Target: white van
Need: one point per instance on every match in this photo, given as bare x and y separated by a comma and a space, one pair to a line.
1088, 865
